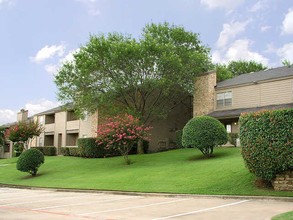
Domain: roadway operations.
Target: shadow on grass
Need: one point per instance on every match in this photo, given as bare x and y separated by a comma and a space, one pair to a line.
32, 177
215, 155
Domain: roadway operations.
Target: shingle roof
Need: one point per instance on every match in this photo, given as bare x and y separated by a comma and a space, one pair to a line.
235, 113
51, 111
8, 125
255, 77
57, 109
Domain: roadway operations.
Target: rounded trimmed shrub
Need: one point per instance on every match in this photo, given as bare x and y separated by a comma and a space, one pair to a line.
267, 142
204, 133
30, 160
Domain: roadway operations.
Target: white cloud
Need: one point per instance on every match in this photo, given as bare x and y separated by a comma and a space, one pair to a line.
48, 52
33, 107
260, 5
38, 106
91, 7
286, 52
288, 22
69, 57
6, 3
239, 50
230, 31
7, 116
217, 57
226, 4
53, 68
265, 28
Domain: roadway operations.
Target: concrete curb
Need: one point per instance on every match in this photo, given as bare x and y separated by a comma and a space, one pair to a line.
170, 195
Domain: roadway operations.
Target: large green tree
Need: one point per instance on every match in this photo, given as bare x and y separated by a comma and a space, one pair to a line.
144, 77
236, 68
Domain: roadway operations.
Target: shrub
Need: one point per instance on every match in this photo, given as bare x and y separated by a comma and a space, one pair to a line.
70, 151
267, 142
233, 138
179, 138
30, 160
89, 148
47, 151
204, 133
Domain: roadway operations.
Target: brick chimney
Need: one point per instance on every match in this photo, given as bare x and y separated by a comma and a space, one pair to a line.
22, 115
204, 93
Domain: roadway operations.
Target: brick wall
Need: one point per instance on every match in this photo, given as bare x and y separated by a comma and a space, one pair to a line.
204, 93
284, 182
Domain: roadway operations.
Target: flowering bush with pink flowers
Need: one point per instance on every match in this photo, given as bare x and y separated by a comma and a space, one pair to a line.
23, 132
121, 133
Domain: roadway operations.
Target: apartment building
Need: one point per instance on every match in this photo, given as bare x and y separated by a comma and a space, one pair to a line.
269, 89
62, 128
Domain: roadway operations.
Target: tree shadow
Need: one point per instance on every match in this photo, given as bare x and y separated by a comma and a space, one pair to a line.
32, 177
215, 155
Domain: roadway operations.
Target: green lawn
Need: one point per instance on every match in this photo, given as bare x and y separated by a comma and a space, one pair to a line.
176, 171
284, 216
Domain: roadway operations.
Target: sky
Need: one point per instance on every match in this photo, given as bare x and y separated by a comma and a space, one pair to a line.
38, 36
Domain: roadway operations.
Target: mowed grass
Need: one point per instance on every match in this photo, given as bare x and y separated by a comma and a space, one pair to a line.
284, 216
176, 171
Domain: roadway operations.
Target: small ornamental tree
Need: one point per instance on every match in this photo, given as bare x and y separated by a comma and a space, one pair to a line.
24, 132
121, 133
204, 133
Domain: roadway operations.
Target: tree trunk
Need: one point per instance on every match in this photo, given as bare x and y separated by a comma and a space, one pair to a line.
140, 147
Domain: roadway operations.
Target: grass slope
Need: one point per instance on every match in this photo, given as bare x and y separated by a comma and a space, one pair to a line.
284, 216
177, 171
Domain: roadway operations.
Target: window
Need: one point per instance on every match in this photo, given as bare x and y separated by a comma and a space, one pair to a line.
49, 140
71, 139
50, 119
71, 116
224, 99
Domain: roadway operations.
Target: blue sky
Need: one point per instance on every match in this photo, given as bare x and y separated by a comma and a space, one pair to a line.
37, 36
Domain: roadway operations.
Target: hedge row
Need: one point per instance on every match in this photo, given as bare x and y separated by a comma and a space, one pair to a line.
267, 141
70, 151
87, 147
47, 151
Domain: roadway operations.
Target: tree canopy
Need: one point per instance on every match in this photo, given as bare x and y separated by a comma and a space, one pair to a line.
143, 77
24, 132
236, 68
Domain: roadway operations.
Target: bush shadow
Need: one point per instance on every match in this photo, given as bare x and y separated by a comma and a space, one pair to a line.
215, 155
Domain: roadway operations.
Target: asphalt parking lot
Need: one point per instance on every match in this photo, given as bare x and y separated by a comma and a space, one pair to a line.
36, 204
